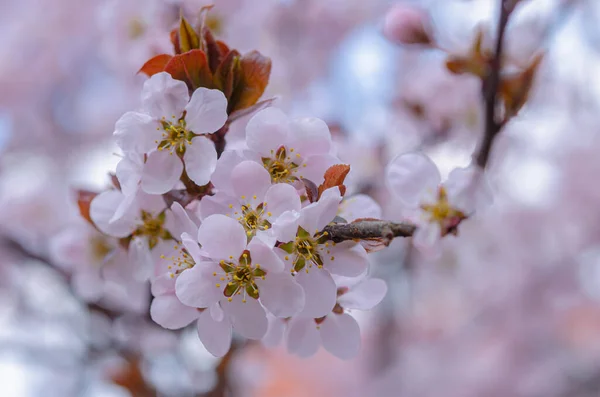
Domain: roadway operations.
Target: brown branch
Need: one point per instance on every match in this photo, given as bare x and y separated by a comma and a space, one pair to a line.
491, 85
368, 230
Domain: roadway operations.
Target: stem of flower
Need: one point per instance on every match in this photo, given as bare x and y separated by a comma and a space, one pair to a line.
490, 87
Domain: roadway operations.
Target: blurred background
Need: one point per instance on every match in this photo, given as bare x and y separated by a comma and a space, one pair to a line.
512, 307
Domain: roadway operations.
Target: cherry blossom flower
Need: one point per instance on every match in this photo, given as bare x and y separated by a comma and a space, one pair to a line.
170, 128
144, 218
99, 268
311, 256
252, 200
244, 278
337, 331
214, 327
288, 149
435, 208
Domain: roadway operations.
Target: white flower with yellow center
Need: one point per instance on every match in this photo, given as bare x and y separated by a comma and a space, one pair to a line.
171, 130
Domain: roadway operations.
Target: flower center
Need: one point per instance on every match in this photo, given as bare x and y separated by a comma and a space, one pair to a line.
153, 228
252, 219
442, 212
100, 248
175, 136
241, 277
181, 262
280, 166
308, 249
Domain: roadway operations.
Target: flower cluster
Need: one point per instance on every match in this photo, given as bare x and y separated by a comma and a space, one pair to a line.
251, 250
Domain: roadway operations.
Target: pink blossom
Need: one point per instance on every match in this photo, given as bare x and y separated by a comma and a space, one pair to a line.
252, 200
288, 149
99, 268
312, 257
171, 130
337, 331
435, 208
154, 227
244, 278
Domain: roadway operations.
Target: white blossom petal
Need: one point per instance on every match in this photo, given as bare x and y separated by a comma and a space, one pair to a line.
206, 111
410, 176
183, 221
310, 136
137, 133
248, 318
129, 173
214, 335
267, 130
218, 204
102, 210
161, 172
314, 167
191, 245
347, 258
163, 96
222, 237
280, 198
221, 177
200, 159
250, 179
426, 238
285, 227
302, 337
281, 295
168, 312
263, 255
196, 287
359, 206
163, 285
141, 259
275, 331
365, 295
319, 292
340, 336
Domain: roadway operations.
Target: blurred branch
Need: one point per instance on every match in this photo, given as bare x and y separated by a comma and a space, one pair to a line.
368, 230
19, 249
491, 85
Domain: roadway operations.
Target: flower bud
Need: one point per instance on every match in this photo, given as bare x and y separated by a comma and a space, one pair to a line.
407, 25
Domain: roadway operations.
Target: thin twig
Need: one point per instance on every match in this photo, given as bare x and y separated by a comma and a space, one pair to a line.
491, 85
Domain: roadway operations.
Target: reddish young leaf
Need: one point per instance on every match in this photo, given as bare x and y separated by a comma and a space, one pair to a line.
335, 176
225, 73
213, 52
188, 38
311, 190
223, 48
84, 200
251, 81
175, 41
155, 65
192, 68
